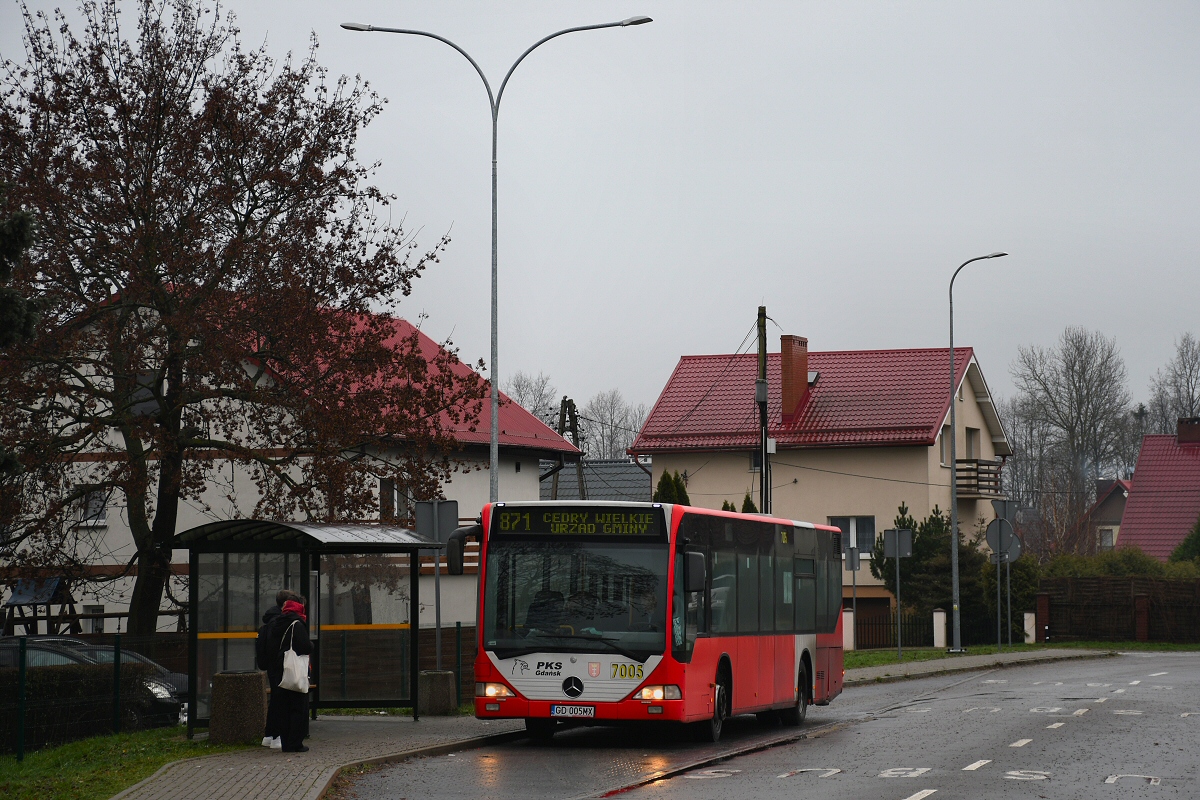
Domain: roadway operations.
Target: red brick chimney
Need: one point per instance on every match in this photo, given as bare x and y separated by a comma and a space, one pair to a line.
1187, 432
794, 369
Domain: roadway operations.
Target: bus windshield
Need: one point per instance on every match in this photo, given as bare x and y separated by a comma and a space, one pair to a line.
575, 596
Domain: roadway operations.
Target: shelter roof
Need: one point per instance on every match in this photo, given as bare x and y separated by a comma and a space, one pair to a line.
861, 398
1164, 501
270, 536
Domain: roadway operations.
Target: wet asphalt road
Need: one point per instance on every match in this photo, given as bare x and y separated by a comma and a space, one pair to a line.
1077, 729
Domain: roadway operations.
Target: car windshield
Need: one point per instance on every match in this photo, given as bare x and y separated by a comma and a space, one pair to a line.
575, 597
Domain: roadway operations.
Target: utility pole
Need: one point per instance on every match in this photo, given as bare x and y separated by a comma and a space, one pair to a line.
760, 396
573, 416
562, 429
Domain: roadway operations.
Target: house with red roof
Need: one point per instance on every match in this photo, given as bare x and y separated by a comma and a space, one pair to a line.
1164, 499
230, 493
857, 434
1103, 519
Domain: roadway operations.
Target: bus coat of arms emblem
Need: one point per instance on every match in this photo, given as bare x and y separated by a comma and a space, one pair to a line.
594, 669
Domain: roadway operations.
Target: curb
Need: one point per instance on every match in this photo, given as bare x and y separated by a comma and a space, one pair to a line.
978, 667
325, 782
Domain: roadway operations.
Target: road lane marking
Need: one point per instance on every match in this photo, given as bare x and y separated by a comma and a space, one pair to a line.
921, 795
1081, 712
708, 774
1155, 675
976, 765
989, 709
1101, 700
904, 772
1005, 681
1187, 714
1134, 683
1020, 742
1118, 691
1045, 710
1125, 711
1099, 684
1026, 775
825, 772
1056, 725
1150, 779
1167, 688
916, 710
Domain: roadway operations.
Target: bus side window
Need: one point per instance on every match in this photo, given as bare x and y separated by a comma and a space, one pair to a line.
724, 591
766, 593
747, 591
784, 595
822, 593
806, 595
835, 593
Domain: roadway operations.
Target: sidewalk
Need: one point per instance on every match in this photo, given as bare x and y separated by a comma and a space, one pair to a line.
336, 742
967, 663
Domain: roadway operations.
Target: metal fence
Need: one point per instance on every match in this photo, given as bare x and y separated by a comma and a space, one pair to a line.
880, 632
56, 689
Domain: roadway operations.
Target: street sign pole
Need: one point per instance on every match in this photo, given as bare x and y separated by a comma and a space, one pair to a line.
897, 543
899, 643
998, 605
1008, 574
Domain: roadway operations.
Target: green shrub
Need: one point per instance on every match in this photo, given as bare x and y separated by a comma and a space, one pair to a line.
1189, 548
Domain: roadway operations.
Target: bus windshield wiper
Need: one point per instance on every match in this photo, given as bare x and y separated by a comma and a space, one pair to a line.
608, 640
514, 652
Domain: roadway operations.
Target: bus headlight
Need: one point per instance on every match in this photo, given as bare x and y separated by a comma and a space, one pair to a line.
669, 692
492, 690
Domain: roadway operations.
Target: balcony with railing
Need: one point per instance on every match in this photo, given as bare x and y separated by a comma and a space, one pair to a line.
978, 478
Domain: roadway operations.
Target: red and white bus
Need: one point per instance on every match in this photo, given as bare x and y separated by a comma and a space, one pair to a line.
652, 611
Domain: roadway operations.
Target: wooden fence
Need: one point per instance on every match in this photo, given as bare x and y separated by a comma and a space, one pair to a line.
1118, 609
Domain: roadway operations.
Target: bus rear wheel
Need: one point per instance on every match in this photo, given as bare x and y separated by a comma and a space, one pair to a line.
795, 715
541, 730
710, 730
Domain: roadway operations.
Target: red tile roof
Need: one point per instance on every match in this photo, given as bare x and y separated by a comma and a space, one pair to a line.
863, 398
518, 427
1164, 501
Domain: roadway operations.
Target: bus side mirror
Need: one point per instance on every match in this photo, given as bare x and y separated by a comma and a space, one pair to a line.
456, 543
695, 572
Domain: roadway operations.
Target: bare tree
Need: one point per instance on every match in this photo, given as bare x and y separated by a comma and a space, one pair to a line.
1175, 389
1072, 419
610, 424
536, 394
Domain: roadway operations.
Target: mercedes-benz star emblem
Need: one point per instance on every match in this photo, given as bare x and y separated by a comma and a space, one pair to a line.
572, 687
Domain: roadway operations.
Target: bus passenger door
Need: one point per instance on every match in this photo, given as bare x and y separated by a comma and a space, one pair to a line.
745, 673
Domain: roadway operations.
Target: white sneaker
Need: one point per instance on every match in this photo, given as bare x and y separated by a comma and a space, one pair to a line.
266, 742
277, 743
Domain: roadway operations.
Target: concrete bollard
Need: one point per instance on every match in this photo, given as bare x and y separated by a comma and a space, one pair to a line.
435, 693
239, 707
1030, 627
939, 628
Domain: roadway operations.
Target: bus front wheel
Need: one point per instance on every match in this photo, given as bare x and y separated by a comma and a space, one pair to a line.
710, 730
795, 715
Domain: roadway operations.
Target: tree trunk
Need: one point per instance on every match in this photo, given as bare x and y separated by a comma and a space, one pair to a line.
153, 572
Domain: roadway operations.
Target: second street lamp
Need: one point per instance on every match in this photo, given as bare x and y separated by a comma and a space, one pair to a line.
494, 103
956, 644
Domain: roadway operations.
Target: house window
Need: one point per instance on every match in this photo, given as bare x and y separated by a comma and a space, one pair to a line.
973, 443
756, 461
96, 625
93, 512
1108, 538
860, 530
945, 443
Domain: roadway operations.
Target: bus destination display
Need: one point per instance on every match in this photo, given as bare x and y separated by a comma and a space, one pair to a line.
579, 521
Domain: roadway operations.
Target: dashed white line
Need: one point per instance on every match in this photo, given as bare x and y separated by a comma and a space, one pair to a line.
1134, 683
1118, 691
1080, 712
1020, 742
1056, 725
976, 765
1125, 711
1156, 674
1101, 699
921, 795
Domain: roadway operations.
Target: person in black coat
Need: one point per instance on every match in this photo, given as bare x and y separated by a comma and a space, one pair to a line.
289, 631
262, 655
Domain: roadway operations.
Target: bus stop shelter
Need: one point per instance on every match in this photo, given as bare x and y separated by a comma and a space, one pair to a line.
362, 585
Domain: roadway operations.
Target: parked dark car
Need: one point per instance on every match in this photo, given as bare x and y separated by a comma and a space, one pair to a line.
178, 681
156, 704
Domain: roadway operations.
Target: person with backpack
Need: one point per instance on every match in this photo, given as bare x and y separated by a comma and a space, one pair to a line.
262, 655
289, 631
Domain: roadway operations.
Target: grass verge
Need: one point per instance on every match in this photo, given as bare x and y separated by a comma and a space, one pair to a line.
97, 768
882, 658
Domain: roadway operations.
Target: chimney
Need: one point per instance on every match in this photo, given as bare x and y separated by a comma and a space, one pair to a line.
794, 369
1187, 432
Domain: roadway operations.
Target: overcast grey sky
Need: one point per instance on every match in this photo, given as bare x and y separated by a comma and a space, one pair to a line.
835, 161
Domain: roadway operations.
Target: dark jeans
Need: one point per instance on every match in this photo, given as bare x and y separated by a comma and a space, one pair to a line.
274, 711
292, 717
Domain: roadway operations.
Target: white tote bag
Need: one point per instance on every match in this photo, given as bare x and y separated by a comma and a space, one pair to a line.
295, 668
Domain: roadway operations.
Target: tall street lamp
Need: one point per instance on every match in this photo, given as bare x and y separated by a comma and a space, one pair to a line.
494, 102
957, 643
